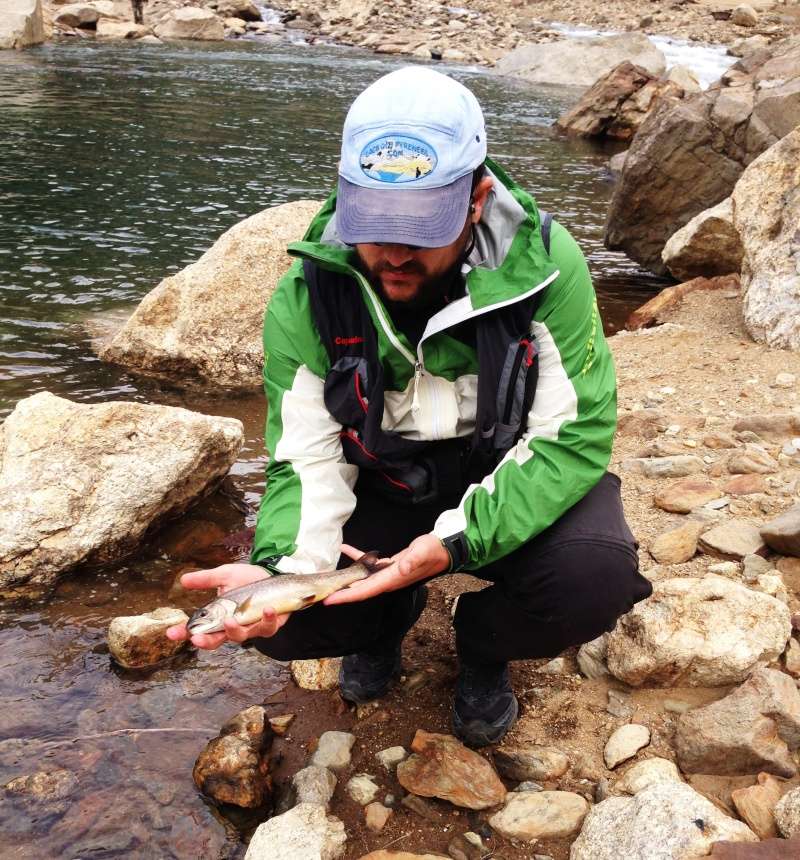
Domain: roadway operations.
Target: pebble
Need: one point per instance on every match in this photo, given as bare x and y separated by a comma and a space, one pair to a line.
314, 784
785, 380
320, 674
376, 816
753, 460
619, 704
362, 789
391, 757
624, 743
467, 846
678, 466
754, 566
530, 761
529, 785
334, 750
281, 723
529, 816
745, 485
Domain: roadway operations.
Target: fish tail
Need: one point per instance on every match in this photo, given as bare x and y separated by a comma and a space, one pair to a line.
371, 561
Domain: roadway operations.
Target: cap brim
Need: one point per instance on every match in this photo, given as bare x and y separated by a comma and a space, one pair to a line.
425, 217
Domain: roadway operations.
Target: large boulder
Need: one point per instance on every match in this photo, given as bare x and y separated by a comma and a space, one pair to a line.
688, 155
579, 62
245, 10
204, 323
85, 15
754, 728
666, 820
21, 24
709, 245
766, 214
82, 484
191, 22
697, 633
617, 104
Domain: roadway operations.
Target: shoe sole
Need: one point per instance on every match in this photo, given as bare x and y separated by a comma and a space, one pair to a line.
479, 733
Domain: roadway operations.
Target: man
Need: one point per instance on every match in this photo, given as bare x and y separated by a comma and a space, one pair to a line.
439, 389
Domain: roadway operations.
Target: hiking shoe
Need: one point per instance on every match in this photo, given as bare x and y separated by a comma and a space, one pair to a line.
485, 706
368, 675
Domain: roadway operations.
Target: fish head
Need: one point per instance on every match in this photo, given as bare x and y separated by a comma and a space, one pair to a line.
209, 618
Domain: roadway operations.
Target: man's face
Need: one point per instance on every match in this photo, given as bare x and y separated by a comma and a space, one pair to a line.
416, 277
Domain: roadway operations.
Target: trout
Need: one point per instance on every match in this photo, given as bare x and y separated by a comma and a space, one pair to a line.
284, 593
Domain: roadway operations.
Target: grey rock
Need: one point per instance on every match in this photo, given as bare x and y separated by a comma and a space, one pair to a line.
592, 658
669, 818
783, 533
732, 540
679, 466
754, 728
305, 831
392, 757
314, 784
334, 750
787, 814
362, 788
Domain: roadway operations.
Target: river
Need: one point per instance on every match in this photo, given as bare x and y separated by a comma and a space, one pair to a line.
118, 165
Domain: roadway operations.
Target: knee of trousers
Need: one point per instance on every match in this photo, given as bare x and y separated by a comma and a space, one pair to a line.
587, 585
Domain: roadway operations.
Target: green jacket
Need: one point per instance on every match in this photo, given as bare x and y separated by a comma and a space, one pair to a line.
570, 427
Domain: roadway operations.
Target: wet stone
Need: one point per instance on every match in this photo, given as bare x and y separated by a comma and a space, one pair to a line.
138, 641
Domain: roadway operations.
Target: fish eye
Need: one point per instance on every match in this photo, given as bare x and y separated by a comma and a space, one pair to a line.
203, 612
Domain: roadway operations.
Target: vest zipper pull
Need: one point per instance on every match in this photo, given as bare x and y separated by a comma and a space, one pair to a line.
417, 377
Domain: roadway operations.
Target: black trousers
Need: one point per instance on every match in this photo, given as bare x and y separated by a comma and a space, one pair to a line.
566, 586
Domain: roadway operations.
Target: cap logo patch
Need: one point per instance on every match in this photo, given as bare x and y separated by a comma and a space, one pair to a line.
398, 158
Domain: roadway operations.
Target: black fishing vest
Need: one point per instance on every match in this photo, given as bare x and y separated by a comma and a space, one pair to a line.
409, 470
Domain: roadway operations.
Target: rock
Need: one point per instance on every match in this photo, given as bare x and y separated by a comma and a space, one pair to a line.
467, 846
616, 164
21, 24
785, 380
753, 728
322, 674
744, 16
732, 540
205, 323
84, 14
136, 641
530, 761
280, 724
715, 441
756, 805
654, 310
122, 467
745, 485
556, 666
314, 784
766, 210
677, 545
592, 658
748, 45
362, 789
392, 757
233, 768
669, 817
783, 533
190, 22
626, 741
579, 62
787, 814
304, 831
235, 26
708, 245
245, 10
753, 460
616, 104
375, 816
382, 854
443, 767
791, 658
697, 633
685, 78
771, 427
683, 496
698, 147
114, 30
150, 40
333, 750
646, 773
619, 705
532, 815
48, 787
665, 467
770, 849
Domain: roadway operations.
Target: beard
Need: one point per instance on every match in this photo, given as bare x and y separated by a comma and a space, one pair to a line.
432, 290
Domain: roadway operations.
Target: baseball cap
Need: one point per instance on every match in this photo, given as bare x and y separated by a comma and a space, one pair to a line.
410, 144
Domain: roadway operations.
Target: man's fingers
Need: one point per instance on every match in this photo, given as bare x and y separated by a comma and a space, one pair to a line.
177, 633
267, 626
351, 551
214, 578
385, 580
208, 641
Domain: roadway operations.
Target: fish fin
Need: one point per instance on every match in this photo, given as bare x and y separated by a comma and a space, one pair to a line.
242, 607
308, 599
371, 560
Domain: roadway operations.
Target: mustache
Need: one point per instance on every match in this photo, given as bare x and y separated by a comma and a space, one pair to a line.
411, 267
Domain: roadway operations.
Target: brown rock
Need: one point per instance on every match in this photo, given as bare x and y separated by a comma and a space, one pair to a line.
790, 570
616, 104
530, 761
753, 728
791, 658
683, 496
647, 423
678, 545
753, 460
376, 815
783, 533
443, 767
671, 297
756, 804
719, 440
774, 428
732, 540
137, 641
745, 485
708, 245
771, 849
233, 767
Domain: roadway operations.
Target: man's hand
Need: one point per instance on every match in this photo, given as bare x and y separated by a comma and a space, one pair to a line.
224, 578
424, 558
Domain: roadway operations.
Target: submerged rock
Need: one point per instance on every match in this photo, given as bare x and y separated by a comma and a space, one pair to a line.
306, 830
754, 728
443, 767
204, 324
136, 641
120, 467
671, 816
698, 633
233, 768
